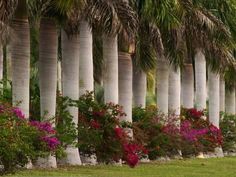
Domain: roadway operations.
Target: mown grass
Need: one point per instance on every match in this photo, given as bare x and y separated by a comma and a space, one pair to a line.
224, 167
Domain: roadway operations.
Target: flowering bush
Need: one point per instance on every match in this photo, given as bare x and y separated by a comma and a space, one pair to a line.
101, 133
165, 135
21, 140
198, 134
157, 132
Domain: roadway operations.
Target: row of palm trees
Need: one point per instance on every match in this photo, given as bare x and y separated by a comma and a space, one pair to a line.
181, 40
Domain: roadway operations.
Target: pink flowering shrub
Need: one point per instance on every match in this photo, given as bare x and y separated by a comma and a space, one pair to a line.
198, 134
164, 135
21, 140
101, 133
47, 135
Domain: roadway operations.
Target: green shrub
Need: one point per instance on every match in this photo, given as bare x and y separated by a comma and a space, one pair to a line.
228, 128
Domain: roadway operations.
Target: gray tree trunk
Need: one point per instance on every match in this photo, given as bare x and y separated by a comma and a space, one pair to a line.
222, 95
1, 66
187, 90
59, 78
86, 59
230, 102
70, 67
21, 65
125, 84
139, 87
1, 62
162, 85
48, 77
200, 76
110, 53
174, 90
214, 97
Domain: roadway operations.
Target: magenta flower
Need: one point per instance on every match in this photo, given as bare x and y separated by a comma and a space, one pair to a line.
43, 126
52, 142
18, 113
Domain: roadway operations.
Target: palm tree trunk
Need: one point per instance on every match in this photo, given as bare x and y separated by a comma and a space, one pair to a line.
174, 90
21, 65
59, 78
86, 59
222, 95
214, 103
1, 62
48, 76
70, 67
214, 97
110, 53
230, 102
200, 76
162, 85
139, 87
187, 90
125, 84
1, 66
9, 62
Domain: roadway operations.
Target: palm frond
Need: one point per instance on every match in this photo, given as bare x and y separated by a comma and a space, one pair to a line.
111, 17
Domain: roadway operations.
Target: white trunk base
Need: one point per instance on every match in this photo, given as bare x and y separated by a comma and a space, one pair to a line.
72, 157
47, 162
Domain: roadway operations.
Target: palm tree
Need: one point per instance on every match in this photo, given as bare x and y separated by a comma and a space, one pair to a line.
174, 90
1, 62
86, 58
70, 84
110, 54
20, 53
125, 84
187, 90
144, 58
139, 87
214, 97
48, 75
110, 18
200, 76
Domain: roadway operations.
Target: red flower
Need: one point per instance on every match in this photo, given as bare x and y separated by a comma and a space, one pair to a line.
95, 124
194, 113
132, 160
119, 132
98, 114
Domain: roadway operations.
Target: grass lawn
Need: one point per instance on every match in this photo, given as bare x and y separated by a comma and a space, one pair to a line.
179, 168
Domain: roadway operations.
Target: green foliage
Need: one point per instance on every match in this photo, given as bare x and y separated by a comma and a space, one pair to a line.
148, 130
5, 91
66, 128
228, 128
